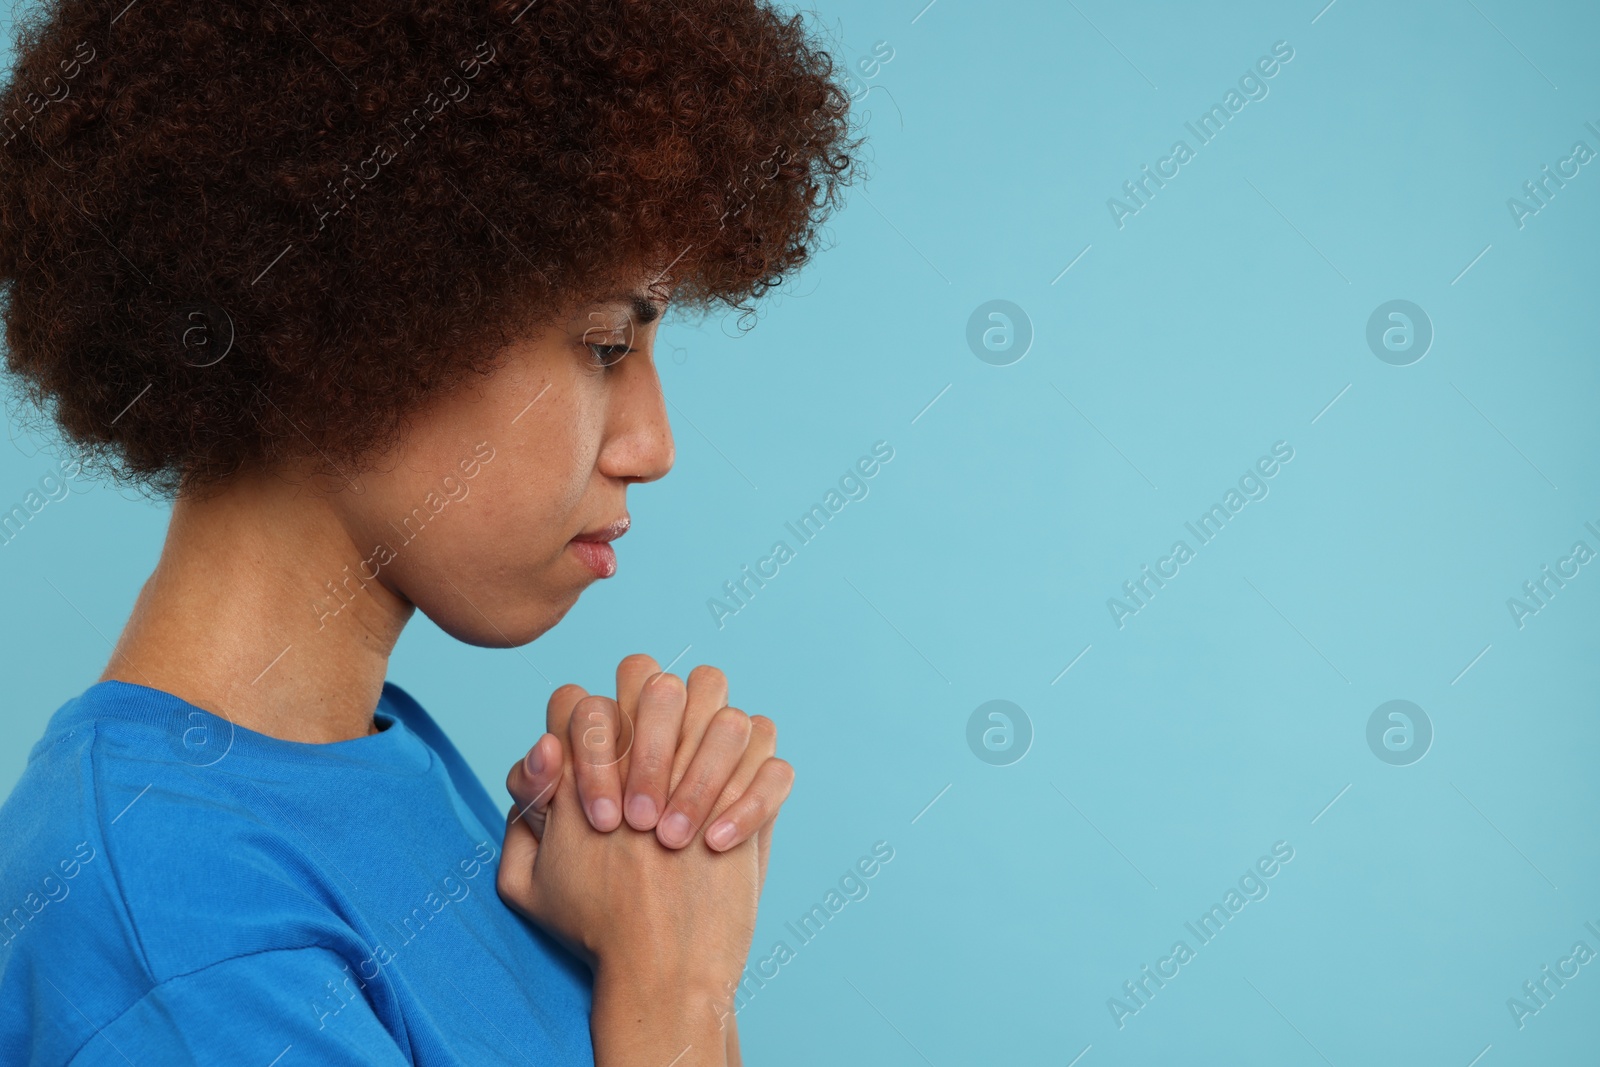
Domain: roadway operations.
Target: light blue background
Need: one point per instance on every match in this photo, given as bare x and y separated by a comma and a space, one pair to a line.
1225, 716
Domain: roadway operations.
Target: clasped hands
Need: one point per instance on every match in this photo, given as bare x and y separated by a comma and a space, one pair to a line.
647, 860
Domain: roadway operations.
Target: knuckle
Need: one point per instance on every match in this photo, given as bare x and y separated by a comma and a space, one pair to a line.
650, 761
567, 690
593, 727
586, 739
705, 674
731, 721
783, 770
698, 792
637, 661
522, 789
759, 802
764, 730
591, 760
692, 792
663, 681
737, 797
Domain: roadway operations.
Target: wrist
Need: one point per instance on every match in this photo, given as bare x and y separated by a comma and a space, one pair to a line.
643, 1015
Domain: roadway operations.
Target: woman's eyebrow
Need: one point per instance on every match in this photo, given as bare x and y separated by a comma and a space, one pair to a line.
643, 310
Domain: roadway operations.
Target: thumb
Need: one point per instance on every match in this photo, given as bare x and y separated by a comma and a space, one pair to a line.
532, 783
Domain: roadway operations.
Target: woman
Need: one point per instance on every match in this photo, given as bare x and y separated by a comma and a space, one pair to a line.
371, 291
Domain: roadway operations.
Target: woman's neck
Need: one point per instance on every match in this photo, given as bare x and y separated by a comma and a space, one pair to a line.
236, 617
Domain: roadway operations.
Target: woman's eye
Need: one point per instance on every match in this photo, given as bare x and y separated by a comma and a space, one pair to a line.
607, 355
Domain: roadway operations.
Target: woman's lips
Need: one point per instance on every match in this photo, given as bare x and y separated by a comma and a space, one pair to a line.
593, 550
598, 556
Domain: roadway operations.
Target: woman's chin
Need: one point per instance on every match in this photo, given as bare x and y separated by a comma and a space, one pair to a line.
503, 625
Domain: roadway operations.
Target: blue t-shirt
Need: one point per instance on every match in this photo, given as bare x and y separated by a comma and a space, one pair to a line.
175, 889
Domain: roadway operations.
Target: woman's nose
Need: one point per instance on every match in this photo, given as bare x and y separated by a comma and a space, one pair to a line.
642, 448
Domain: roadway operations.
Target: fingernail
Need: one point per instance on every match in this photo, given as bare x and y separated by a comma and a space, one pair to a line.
642, 811
605, 813
533, 762
675, 828
719, 835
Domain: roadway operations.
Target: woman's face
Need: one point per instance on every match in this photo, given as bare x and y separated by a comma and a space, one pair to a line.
473, 517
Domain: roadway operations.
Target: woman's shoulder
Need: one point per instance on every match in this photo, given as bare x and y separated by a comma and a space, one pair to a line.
136, 855
148, 845
124, 822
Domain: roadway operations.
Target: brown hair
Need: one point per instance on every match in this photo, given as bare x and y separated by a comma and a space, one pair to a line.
234, 232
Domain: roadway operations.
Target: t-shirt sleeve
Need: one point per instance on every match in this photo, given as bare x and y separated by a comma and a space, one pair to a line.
284, 1008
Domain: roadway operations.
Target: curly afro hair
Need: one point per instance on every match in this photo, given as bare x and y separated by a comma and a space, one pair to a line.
235, 233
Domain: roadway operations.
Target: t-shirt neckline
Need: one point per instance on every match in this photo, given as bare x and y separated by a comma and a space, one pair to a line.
200, 738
